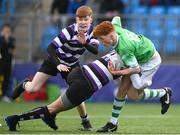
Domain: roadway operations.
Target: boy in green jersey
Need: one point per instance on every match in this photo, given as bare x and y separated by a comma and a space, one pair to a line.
139, 55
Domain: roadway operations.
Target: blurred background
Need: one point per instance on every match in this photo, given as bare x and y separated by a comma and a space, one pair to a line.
36, 22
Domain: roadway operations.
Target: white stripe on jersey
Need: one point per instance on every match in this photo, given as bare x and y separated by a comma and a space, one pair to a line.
72, 48
66, 34
69, 64
94, 41
57, 40
75, 37
68, 54
106, 71
97, 81
91, 35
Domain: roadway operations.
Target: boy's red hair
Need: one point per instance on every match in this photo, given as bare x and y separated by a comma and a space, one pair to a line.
103, 29
84, 11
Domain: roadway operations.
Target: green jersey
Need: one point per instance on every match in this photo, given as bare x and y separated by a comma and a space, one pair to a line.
133, 49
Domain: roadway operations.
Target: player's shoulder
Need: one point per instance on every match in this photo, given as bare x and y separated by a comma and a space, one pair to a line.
69, 30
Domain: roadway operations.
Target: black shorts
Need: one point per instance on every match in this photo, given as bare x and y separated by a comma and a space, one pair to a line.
79, 89
50, 68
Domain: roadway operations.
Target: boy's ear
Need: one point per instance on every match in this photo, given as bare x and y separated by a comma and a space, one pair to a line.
91, 19
111, 35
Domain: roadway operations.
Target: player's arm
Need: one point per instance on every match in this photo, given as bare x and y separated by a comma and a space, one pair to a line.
130, 61
91, 46
127, 71
56, 44
116, 21
52, 52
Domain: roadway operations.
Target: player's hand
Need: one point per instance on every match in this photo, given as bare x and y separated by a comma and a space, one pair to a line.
0, 56
81, 37
111, 68
63, 68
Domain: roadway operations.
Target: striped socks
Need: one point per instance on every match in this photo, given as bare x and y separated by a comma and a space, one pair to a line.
36, 113
117, 106
153, 93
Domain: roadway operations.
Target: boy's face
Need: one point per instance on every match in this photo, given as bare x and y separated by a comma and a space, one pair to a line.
6, 31
108, 40
83, 23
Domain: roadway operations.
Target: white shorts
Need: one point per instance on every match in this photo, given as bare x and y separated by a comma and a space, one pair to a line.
150, 68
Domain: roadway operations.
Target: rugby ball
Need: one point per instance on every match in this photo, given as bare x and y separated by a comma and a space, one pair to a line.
117, 61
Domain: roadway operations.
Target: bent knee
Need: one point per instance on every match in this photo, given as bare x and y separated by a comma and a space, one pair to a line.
138, 87
31, 88
133, 97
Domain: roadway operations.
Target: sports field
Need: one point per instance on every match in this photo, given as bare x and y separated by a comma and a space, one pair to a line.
134, 119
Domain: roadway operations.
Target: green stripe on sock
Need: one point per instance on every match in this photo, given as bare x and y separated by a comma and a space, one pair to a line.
158, 93
120, 100
117, 107
151, 94
115, 115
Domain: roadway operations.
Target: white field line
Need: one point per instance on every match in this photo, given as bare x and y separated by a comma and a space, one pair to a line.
127, 116
88, 134
106, 116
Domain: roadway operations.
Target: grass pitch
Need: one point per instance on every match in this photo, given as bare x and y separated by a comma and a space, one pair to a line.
134, 119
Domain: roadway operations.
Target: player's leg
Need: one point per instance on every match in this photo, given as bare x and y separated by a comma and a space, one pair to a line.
164, 94
80, 108
38, 80
30, 86
119, 102
37, 113
84, 117
78, 91
46, 113
46, 70
142, 93
5, 84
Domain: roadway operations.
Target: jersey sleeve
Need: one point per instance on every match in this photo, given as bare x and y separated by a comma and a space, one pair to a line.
64, 36
116, 21
93, 41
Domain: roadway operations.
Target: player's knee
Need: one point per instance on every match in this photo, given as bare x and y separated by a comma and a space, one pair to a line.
144, 84
133, 97
138, 86
32, 88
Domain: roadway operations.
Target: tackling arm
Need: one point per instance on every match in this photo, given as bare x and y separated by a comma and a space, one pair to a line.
52, 52
92, 48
